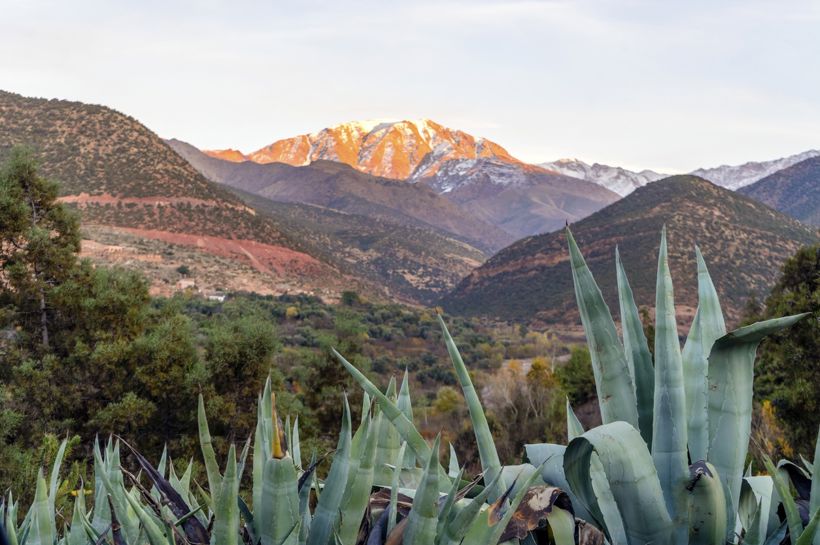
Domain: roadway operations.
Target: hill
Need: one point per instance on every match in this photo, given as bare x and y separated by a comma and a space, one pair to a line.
744, 243
340, 187
794, 191
121, 175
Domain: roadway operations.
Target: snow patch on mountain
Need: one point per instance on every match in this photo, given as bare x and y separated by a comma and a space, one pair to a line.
737, 176
617, 179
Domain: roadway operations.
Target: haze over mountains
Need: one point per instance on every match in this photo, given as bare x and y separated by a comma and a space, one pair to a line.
402, 210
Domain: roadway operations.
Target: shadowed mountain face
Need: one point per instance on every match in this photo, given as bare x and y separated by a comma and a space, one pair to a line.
340, 187
794, 191
744, 243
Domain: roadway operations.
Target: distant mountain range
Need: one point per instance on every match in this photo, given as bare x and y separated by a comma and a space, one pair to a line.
794, 190
744, 243
617, 179
623, 181
480, 176
402, 210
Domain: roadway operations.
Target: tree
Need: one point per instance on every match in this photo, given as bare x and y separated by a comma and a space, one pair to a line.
576, 376
39, 241
788, 372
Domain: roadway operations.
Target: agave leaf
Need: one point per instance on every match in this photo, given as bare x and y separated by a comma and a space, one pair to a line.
454, 467
636, 349
326, 517
490, 463
193, 528
279, 512
669, 452
54, 482
403, 425
226, 508
446, 509
423, 518
731, 371
616, 394
707, 506
459, 525
814, 502
388, 442
811, 532
707, 327
405, 404
155, 535
211, 465
574, 427
632, 478
296, 445
42, 524
357, 495
786, 499
755, 513
551, 460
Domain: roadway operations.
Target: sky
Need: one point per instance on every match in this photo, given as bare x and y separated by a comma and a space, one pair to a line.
660, 84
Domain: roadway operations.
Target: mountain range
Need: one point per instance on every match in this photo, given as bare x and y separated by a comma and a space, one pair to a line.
795, 190
405, 210
478, 175
744, 243
623, 181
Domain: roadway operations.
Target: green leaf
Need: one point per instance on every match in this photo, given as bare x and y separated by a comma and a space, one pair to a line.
669, 451
211, 465
637, 353
226, 509
632, 478
707, 506
731, 372
786, 499
423, 518
278, 512
814, 500
490, 463
357, 496
616, 393
326, 517
574, 427
707, 327
403, 425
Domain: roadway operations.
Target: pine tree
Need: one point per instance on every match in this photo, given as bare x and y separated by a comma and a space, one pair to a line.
39, 241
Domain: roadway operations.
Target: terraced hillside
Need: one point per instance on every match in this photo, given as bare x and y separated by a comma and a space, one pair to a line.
118, 173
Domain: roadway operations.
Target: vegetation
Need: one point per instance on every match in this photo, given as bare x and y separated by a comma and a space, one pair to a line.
788, 375
668, 464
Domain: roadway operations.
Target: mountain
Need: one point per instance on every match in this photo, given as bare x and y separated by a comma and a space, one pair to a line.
735, 177
120, 175
743, 241
617, 179
520, 199
794, 191
391, 149
478, 175
339, 187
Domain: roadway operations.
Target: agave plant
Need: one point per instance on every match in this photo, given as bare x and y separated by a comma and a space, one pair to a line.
627, 481
631, 477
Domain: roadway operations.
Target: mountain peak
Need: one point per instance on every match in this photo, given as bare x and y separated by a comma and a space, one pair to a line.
398, 149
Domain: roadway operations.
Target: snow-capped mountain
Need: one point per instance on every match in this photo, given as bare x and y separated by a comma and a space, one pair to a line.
737, 176
407, 149
617, 179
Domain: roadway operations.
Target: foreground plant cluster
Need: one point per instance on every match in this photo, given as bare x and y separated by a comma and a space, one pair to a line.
668, 464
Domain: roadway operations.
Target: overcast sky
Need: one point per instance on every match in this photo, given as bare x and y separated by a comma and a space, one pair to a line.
644, 84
